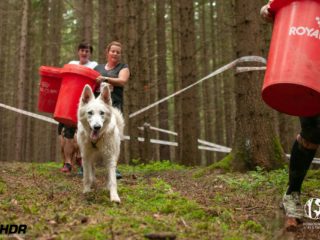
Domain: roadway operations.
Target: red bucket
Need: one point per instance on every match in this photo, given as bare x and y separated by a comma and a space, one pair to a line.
74, 78
50, 83
292, 79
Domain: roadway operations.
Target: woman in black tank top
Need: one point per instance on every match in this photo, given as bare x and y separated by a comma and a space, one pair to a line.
113, 72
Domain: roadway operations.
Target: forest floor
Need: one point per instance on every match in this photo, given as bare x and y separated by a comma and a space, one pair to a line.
159, 198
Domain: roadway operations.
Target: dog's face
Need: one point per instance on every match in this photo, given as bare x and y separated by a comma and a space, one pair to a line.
95, 113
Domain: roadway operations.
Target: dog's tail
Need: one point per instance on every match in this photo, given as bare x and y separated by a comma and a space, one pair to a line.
120, 120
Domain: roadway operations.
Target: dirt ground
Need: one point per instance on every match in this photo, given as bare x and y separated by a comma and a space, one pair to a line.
53, 204
203, 190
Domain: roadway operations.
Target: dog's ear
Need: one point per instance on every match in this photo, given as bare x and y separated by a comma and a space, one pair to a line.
87, 94
105, 94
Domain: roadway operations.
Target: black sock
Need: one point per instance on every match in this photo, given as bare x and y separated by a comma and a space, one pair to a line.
300, 161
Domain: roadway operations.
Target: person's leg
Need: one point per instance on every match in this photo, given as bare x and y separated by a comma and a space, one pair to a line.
78, 158
61, 140
301, 157
302, 154
68, 148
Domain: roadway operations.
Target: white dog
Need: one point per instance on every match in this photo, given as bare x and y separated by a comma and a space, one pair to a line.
100, 128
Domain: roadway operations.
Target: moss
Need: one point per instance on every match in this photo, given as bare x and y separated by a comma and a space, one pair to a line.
224, 163
278, 153
153, 166
251, 226
312, 182
3, 187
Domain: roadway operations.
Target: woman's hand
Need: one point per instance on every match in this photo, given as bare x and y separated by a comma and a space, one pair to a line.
265, 14
101, 79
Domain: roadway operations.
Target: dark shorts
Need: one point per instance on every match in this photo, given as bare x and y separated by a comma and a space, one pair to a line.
65, 131
60, 128
310, 129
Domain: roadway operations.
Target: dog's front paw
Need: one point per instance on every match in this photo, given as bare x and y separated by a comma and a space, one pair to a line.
115, 198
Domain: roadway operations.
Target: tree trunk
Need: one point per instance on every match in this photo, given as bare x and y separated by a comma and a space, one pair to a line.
288, 128
4, 26
20, 124
226, 37
134, 88
207, 87
176, 65
162, 76
143, 72
103, 30
256, 142
190, 118
119, 21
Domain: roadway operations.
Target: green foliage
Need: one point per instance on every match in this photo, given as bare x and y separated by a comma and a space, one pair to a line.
311, 182
251, 226
278, 152
258, 179
3, 186
53, 205
224, 164
161, 199
155, 166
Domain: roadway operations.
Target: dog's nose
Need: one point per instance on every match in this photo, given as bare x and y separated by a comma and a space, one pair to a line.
96, 127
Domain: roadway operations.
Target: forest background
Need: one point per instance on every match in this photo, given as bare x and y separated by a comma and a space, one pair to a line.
168, 46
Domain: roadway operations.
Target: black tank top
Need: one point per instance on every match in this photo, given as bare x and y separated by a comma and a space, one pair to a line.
117, 93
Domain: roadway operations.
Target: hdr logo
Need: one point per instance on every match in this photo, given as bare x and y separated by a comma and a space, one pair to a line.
13, 228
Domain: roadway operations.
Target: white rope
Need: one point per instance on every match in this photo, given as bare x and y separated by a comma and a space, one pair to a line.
249, 69
213, 149
34, 115
216, 72
212, 146
156, 141
160, 130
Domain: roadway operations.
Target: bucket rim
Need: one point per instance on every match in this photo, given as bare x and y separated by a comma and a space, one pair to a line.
80, 70
276, 5
50, 71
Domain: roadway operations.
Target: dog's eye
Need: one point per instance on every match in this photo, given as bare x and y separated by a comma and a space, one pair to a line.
101, 113
90, 113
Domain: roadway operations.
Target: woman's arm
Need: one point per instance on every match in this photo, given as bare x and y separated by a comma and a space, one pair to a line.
121, 80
